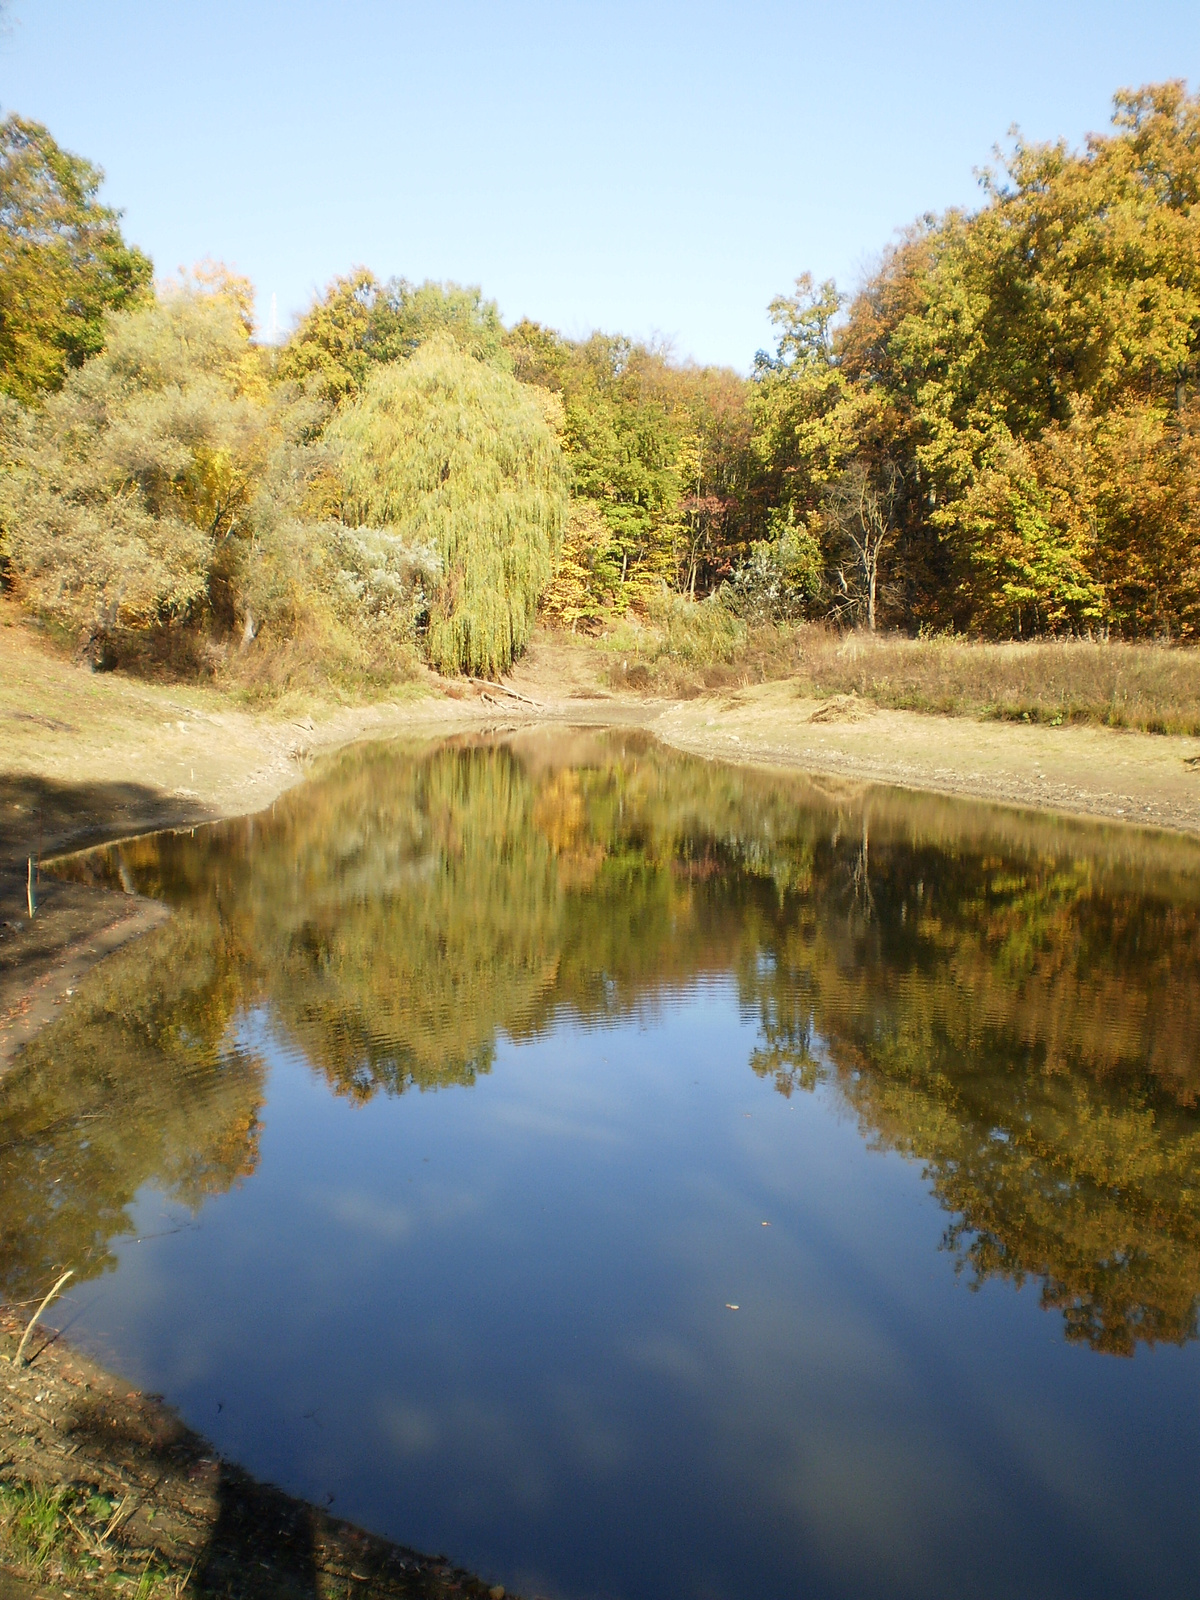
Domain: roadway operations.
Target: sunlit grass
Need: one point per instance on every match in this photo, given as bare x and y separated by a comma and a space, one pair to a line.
687, 649
1151, 687
33, 1523
61, 1532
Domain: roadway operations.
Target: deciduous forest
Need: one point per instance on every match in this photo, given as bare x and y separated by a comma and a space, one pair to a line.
995, 434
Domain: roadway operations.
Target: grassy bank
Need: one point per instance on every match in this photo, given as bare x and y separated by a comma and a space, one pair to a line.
684, 651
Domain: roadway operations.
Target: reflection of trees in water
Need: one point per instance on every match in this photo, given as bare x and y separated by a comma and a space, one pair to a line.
134, 1083
1086, 1187
1028, 1032
1021, 1014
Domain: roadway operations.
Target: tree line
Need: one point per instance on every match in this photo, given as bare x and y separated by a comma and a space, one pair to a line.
995, 434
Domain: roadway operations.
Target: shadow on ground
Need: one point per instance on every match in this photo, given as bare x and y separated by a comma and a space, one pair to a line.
117, 1488
39, 816
51, 931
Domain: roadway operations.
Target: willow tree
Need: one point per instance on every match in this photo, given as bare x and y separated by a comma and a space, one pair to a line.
453, 455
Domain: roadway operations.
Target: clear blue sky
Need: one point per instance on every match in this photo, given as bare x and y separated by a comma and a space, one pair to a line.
649, 168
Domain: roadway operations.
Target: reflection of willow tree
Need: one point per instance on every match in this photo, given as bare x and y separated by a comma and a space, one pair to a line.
1019, 1010
400, 913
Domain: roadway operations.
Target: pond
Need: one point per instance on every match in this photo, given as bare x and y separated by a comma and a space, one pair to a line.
641, 1177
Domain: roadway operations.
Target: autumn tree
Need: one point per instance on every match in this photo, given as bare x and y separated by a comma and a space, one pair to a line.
1046, 350
63, 261
461, 458
659, 448
130, 482
170, 495
1020, 383
360, 323
822, 442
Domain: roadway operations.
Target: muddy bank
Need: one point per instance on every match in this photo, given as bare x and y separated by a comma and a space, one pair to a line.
1139, 779
52, 932
103, 1490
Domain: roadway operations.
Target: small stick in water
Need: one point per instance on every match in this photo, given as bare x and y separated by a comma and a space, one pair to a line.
16, 1360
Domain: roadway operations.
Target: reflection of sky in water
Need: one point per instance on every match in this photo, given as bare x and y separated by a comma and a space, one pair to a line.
493, 1321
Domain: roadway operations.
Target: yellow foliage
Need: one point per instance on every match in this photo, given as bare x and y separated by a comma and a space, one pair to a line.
576, 593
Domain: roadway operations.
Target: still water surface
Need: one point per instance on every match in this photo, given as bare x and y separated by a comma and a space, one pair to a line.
637, 1177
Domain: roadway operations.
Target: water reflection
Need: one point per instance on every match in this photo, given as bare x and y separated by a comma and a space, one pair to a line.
1013, 1003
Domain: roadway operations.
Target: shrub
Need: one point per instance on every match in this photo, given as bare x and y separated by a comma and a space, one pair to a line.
779, 578
123, 491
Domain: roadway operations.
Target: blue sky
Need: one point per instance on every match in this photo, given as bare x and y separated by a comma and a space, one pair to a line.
648, 168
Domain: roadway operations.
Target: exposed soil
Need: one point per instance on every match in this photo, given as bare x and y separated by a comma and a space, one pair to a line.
1146, 779
104, 1491
1152, 780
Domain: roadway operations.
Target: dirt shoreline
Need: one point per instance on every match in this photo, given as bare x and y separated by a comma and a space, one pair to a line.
103, 1490
137, 756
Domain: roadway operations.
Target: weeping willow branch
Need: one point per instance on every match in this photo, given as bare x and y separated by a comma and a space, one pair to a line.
451, 454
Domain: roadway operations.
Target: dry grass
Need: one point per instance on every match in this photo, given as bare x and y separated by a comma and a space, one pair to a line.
1155, 688
322, 662
1152, 687
319, 662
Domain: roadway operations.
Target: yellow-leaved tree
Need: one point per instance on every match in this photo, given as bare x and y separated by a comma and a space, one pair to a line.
126, 487
452, 455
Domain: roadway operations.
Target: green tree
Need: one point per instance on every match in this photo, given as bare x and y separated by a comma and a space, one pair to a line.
360, 323
1029, 372
660, 449
822, 445
130, 482
169, 499
461, 458
63, 261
